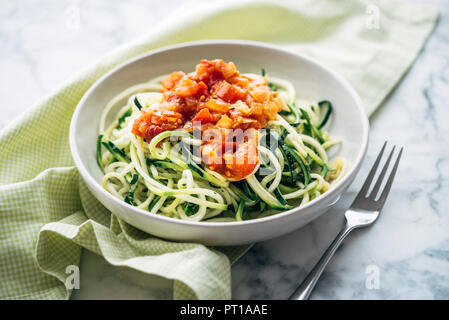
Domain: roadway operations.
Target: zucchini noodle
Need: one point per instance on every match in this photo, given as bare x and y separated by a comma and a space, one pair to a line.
160, 178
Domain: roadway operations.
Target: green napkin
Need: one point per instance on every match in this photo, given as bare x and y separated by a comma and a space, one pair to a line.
46, 213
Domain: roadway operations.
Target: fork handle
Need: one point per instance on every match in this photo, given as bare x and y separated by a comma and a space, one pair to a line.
305, 288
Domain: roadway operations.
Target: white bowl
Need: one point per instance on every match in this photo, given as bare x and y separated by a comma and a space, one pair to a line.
311, 79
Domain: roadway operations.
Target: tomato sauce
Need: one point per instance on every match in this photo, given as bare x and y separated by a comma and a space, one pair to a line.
216, 97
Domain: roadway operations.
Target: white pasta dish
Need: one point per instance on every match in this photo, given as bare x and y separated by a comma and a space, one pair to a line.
216, 145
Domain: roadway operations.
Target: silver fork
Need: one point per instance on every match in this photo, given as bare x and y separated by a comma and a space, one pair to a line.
363, 212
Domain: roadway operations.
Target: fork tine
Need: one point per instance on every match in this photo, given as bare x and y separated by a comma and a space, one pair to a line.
376, 188
371, 174
387, 188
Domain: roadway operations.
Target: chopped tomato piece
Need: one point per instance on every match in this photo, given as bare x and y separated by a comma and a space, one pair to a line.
260, 93
212, 155
188, 87
214, 152
243, 162
228, 92
245, 159
225, 122
242, 108
172, 79
203, 116
214, 71
215, 105
240, 81
150, 124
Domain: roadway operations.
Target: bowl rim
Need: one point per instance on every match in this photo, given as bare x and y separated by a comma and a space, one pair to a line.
353, 170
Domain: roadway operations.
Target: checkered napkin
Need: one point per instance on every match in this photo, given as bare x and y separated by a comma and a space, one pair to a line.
47, 215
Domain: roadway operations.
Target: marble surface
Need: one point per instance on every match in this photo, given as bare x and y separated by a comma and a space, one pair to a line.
406, 252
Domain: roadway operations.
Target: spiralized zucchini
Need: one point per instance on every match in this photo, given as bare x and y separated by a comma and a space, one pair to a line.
161, 179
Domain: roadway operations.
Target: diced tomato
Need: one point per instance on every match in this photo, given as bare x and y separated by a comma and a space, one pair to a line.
213, 71
213, 152
244, 161
228, 92
242, 108
151, 123
240, 81
235, 165
170, 116
215, 105
260, 93
225, 122
212, 155
203, 116
188, 87
172, 80
258, 80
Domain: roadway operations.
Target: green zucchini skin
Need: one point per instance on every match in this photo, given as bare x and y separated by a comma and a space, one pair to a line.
292, 156
249, 202
249, 193
125, 115
263, 206
286, 189
279, 196
99, 143
295, 112
270, 200
133, 179
325, 104
290, 162
137, 103
195, 168
129, 199
167, 164
273, 87
153, 202
115, 151
239, 213
305, 167
191, 208
310, 128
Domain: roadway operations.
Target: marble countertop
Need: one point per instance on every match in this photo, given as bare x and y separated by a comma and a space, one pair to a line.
406, 252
